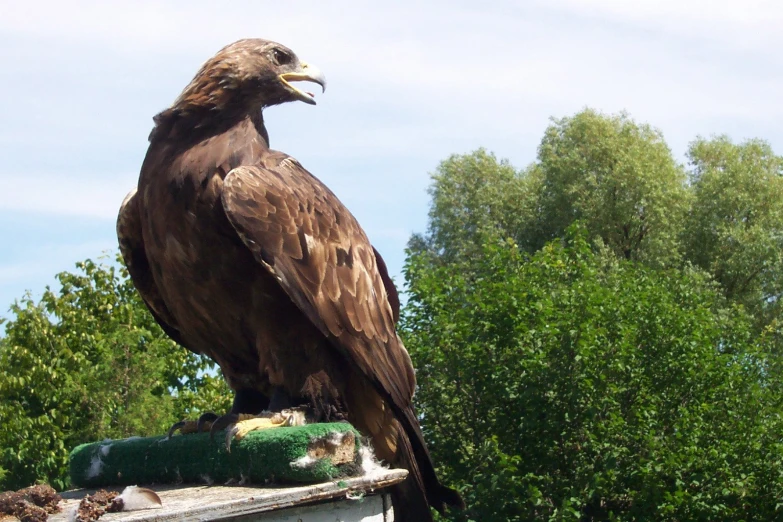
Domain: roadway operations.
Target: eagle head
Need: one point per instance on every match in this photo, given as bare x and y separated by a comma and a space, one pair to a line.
251, 73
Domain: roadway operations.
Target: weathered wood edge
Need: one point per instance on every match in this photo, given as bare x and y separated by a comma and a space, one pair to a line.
185, 503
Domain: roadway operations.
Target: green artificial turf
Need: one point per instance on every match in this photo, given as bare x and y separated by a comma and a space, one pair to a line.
262, 456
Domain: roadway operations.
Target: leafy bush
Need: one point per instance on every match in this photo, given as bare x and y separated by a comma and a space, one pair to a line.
90, 363
569, 385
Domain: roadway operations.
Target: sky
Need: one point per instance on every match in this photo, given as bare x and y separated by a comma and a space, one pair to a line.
410, 83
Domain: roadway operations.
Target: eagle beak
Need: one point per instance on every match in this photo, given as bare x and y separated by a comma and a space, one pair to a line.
305, 73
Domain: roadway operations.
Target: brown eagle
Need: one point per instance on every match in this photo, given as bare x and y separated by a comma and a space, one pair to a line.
243, 255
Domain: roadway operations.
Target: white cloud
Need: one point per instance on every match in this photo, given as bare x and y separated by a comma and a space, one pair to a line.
455, 60
749, 25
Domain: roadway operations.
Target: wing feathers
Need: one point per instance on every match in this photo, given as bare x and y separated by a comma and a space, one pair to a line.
342, 286
133, 253
391, 290
305, 236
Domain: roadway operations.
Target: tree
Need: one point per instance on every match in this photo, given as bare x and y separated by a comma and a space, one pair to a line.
472, 193
89, 363
636, 378
735, 228
619, 178
571, 386
614, 175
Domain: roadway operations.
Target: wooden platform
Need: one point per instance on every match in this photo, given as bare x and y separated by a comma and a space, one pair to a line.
359, 499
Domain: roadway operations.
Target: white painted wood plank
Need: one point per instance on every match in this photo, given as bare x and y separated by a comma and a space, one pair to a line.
367, 509
195, 503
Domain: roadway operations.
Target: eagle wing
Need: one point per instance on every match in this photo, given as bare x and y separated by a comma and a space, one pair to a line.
388, 284
298, 229
135, 257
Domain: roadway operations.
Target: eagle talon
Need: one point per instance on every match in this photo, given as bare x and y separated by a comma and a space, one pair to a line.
181, 425
205, 421
186, 427
263, 421
222, 422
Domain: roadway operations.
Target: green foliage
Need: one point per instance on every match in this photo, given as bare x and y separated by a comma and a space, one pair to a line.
472, 193
735, 230
619, 178
89, 363
616, 176
635, 379
567, 386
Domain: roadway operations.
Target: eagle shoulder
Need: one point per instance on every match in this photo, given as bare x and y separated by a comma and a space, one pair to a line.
306, 238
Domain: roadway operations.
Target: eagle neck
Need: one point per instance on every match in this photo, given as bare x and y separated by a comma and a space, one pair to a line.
257, 119
196, 125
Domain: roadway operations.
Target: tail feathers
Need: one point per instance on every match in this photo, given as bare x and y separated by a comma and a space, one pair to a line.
451, 497
438, 495
422, 488
409, 498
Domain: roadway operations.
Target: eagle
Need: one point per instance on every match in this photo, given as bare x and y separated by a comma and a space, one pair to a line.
243, 255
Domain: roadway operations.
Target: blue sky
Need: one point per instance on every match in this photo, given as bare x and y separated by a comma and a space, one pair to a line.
409, 84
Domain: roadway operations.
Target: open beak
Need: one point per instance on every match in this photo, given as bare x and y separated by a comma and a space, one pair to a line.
305, 73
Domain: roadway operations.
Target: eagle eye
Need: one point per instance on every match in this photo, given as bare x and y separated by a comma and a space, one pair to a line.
281, 57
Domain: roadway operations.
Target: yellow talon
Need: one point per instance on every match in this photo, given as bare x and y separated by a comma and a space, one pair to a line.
245, 426
246, 416
186, 427
264, 421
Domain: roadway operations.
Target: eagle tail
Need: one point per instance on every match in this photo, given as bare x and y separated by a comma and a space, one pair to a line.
412, 498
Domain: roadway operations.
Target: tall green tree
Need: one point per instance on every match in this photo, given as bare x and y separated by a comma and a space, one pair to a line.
472, 193
616, 176
735, 228
572, 386
619, 178
87, 363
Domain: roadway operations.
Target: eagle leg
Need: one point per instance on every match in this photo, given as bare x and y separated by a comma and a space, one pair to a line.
280, 401
324, 398
246, 401
279, 412
249, 401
